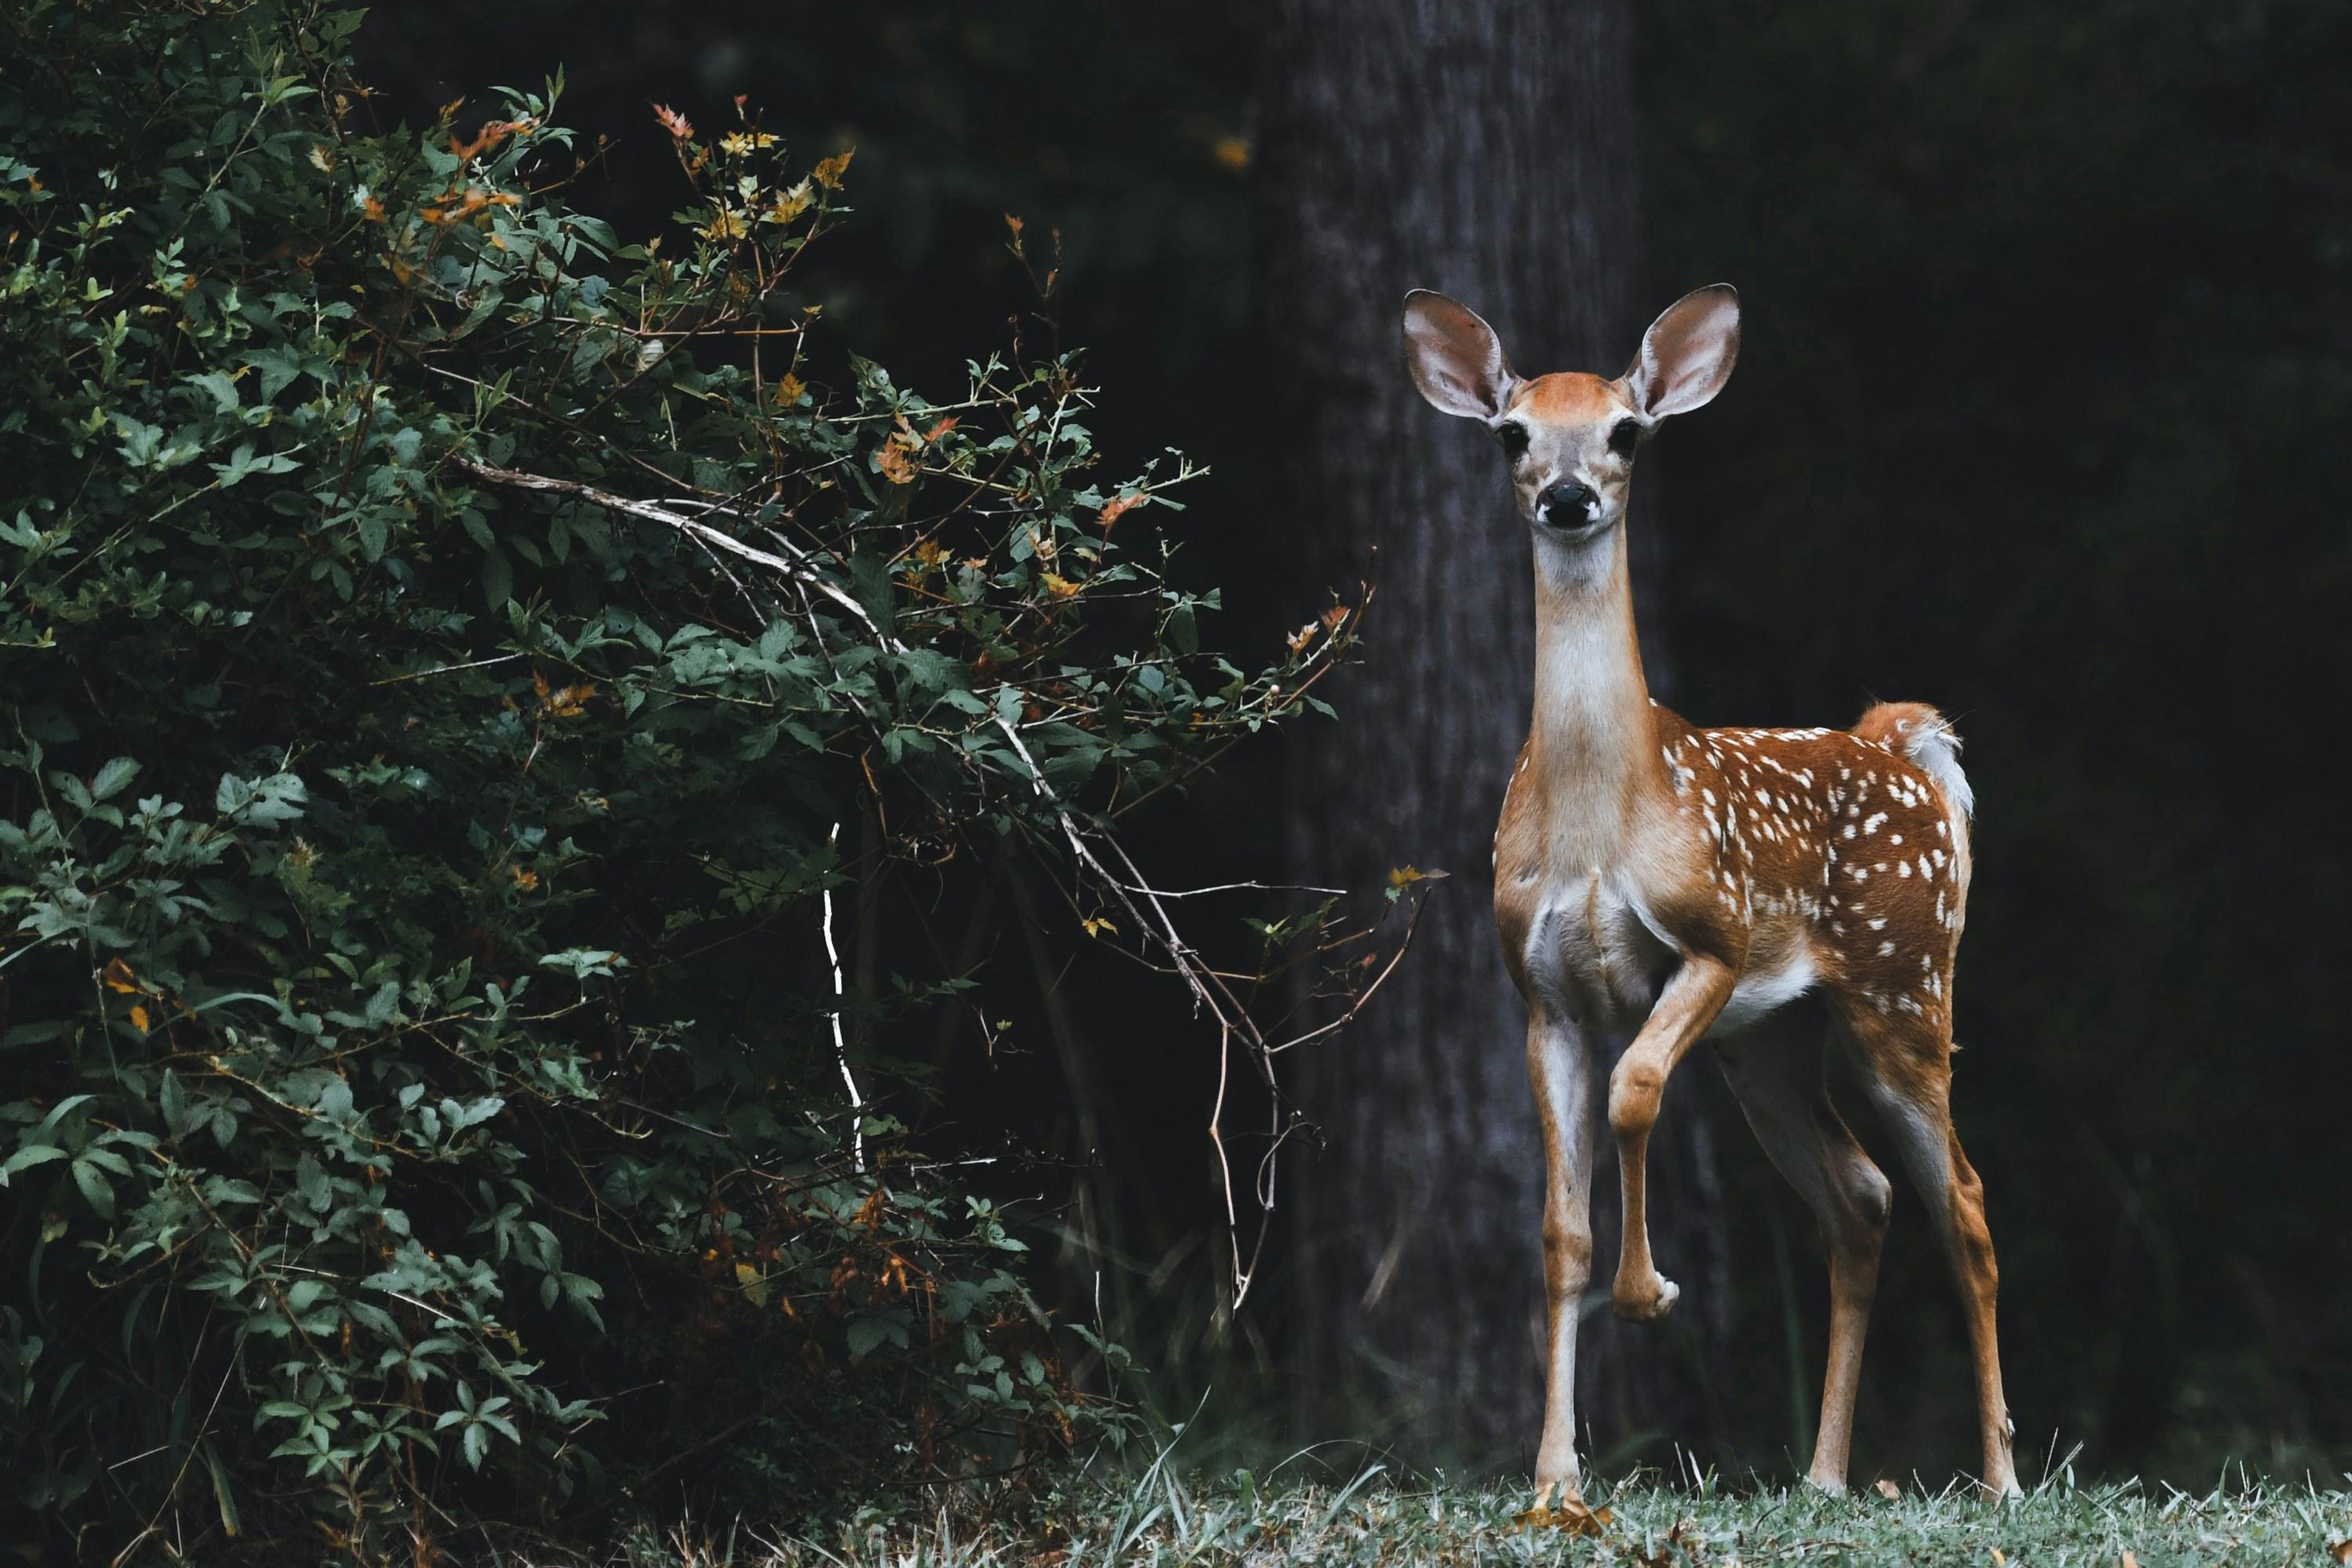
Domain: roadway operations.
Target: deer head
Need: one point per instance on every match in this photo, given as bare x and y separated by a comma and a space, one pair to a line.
1569, 438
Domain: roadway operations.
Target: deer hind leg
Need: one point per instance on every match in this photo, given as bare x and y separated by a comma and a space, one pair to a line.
1907, 1063
1559, 1069
1689, 1004
1780, 1084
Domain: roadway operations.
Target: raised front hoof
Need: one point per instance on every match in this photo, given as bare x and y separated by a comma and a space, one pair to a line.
1644, 1300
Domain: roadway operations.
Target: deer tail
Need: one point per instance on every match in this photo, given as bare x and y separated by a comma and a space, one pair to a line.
1925, 736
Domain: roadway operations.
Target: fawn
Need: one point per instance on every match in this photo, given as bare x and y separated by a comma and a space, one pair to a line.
1678, 884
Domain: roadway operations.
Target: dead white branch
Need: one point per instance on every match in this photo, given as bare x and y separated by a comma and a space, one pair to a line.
840, 1045
1143, 905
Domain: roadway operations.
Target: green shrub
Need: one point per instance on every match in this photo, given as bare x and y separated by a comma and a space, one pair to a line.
448, 661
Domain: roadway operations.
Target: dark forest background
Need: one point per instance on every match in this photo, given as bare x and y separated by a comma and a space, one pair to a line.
2040, 416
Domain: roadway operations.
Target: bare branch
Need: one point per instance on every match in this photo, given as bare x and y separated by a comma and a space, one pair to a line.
1096, 851
840, 1045
799, 568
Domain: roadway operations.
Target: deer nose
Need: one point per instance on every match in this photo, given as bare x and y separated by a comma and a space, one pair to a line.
1565, 504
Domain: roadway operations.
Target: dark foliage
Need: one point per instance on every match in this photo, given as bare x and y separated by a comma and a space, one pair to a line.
454, 668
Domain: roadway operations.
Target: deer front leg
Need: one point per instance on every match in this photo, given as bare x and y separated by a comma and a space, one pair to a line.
1560, 1071
1686, 1008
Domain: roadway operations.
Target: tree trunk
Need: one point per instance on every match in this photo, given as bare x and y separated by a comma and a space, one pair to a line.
1483, 148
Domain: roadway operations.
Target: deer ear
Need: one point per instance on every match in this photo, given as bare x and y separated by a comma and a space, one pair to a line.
1456, 360
1687, 353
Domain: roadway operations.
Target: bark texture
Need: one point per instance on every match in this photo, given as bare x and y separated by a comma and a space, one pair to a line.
1483, 147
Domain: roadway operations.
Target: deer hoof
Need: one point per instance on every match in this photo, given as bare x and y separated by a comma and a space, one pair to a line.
1644, 1300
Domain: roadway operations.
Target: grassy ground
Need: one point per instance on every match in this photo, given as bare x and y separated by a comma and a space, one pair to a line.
1164, 1520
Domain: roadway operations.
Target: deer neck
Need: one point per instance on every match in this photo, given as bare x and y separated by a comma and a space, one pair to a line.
1590, 744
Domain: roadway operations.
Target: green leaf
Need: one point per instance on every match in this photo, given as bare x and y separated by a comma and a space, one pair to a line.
29, 1156
224, 1497
1183, 632
95, 1188
498, 579
310, 1181
110, 778
865, 1335
242, 464
260, 801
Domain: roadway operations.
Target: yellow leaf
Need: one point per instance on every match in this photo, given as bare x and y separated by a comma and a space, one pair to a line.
565, 701
930, 552
755, 1284
726, 224
1570, 1515
1405, 875
1059, 586
895, 460
491, 133
1097, 926
526, 881
117, 977
322, 160
789, 205
828, 172
739, 142
139, 1016
788, 391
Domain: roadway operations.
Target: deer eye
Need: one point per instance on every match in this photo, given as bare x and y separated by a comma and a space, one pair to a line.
1623, 440
1515, 440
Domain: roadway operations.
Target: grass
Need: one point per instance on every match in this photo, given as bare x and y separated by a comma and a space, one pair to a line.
1375, 1518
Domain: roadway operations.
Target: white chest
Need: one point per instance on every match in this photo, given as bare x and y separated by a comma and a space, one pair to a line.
1591, 954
